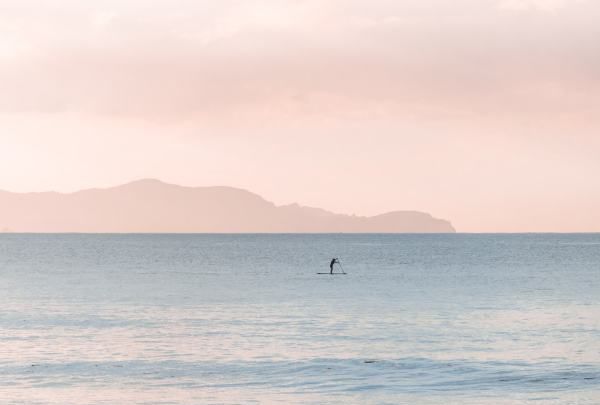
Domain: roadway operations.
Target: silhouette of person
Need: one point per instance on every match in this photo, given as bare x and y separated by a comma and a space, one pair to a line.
333, 261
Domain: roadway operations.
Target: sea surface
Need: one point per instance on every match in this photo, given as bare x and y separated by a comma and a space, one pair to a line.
245, 319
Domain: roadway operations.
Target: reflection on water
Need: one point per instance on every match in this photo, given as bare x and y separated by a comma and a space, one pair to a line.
432, 319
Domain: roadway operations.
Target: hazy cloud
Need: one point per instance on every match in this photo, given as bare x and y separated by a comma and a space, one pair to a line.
208, 60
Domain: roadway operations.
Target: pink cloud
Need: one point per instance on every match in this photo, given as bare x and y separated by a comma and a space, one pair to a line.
172, 63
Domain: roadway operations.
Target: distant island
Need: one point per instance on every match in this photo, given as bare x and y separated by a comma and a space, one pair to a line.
153, 206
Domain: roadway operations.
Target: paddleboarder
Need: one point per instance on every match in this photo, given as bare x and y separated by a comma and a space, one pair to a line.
333, 261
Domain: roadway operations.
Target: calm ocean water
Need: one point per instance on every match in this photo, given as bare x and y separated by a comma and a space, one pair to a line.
237, 319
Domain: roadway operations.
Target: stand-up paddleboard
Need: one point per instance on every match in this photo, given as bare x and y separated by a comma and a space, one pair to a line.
334, 274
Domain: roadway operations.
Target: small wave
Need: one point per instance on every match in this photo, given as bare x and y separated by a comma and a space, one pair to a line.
412, 375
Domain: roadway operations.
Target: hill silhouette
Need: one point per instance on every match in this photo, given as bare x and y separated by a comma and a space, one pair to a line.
153, 206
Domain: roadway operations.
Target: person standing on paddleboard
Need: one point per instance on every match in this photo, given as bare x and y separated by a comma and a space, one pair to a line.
333, 261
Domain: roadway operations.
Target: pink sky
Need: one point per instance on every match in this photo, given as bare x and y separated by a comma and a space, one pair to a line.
483, 112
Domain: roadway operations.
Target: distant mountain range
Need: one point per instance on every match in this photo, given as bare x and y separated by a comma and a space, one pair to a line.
154, 206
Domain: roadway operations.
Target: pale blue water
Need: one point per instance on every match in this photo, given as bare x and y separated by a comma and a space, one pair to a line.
224, 319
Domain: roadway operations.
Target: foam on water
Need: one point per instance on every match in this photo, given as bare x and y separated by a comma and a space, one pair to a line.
432, 319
